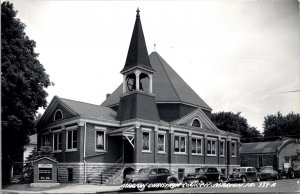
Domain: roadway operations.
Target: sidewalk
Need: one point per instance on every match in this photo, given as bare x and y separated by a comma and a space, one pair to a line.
68, 188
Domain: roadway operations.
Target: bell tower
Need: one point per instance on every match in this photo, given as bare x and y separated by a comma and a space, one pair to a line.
137, 100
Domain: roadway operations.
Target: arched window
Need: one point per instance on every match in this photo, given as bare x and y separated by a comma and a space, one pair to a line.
196, 123
58, 115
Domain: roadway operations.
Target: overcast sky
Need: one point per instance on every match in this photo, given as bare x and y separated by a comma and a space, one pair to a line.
237, 55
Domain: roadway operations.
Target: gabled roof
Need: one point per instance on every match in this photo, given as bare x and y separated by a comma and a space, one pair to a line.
263, 147
137, 53
90, 110
76, 108
168, 86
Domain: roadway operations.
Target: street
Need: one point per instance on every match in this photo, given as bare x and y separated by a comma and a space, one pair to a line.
284, 185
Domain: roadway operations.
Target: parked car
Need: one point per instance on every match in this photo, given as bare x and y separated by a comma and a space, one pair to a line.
150, 175
268, 172
244, 174
287, 171
205, 174
296, 169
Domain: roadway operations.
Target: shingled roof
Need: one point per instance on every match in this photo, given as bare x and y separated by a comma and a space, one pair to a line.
168, 86
90, 110
137, 53
263, 147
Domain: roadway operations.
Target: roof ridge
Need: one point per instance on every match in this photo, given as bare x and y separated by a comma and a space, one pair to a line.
168, 76
82, 102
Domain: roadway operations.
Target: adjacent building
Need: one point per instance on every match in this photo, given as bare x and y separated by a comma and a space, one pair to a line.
272, 153
154, 118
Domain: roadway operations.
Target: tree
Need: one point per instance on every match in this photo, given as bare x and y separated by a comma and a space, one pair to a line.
235, 123
277, 126
23, 83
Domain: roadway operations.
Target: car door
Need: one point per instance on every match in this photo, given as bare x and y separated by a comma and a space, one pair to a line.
162, 175
214, 174
249, 174
153, 176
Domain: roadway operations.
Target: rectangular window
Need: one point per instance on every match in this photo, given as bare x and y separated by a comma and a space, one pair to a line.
57, 141
179, 144
72, 140
196, 145
233, 149
161, 142
45, 140
211, 147
260, 162
100, 140
222, 148
146, 141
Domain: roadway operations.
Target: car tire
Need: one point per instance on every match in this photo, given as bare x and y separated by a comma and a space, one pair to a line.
257, 178
171, 184
244, 179
292, 175
201, 181
141, 187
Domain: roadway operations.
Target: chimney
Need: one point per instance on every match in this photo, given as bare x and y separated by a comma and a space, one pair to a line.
107, 95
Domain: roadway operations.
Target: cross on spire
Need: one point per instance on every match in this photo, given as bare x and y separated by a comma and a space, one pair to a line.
138, 12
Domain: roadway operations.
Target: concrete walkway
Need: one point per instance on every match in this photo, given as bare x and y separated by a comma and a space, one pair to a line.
72, 189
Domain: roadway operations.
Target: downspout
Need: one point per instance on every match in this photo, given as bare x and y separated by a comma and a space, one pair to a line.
84, 145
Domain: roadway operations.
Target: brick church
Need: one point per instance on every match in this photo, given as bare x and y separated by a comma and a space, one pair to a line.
154, 118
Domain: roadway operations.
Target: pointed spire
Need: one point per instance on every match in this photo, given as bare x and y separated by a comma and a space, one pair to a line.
137, 53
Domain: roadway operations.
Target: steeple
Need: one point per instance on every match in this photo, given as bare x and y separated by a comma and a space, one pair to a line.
137, 53
137, 101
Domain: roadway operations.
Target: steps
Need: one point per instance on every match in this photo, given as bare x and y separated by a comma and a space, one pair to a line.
111, 174
16, 179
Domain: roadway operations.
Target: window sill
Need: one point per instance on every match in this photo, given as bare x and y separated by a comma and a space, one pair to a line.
100, 151
56, 151
71, 150
222, 156
233, 156
214, 155
180, 153
194, 154
146, 151
162, 152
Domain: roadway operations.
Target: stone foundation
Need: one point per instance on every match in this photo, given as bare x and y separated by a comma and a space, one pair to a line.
114, 175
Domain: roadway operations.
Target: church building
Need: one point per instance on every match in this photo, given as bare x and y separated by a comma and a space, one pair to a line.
154, 118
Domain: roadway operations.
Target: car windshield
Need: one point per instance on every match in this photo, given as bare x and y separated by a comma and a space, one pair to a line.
197, 170
240, 170
144, 171
297, 166
266, 168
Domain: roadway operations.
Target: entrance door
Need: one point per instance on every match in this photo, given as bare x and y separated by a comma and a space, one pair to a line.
128, 151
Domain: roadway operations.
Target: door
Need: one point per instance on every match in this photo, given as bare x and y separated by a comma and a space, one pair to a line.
128, 151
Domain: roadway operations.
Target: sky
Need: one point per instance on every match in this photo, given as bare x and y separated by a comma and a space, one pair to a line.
238, 55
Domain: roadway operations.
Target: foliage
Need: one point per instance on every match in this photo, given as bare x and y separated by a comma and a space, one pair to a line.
235, 123
23, 81
278, 125
45, 151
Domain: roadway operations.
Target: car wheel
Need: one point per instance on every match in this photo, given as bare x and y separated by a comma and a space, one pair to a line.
244, 179
141, 187
257, 178
292, 175
171, 184
201, 181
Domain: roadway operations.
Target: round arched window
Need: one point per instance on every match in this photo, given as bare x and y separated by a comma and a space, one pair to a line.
196, 123
58, 115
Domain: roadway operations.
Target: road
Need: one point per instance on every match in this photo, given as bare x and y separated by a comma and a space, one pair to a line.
284, 185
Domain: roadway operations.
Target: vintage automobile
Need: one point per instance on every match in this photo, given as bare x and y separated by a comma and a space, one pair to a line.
150, 175
267, 172
244, 174
296, 169
287, 171
204, 175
